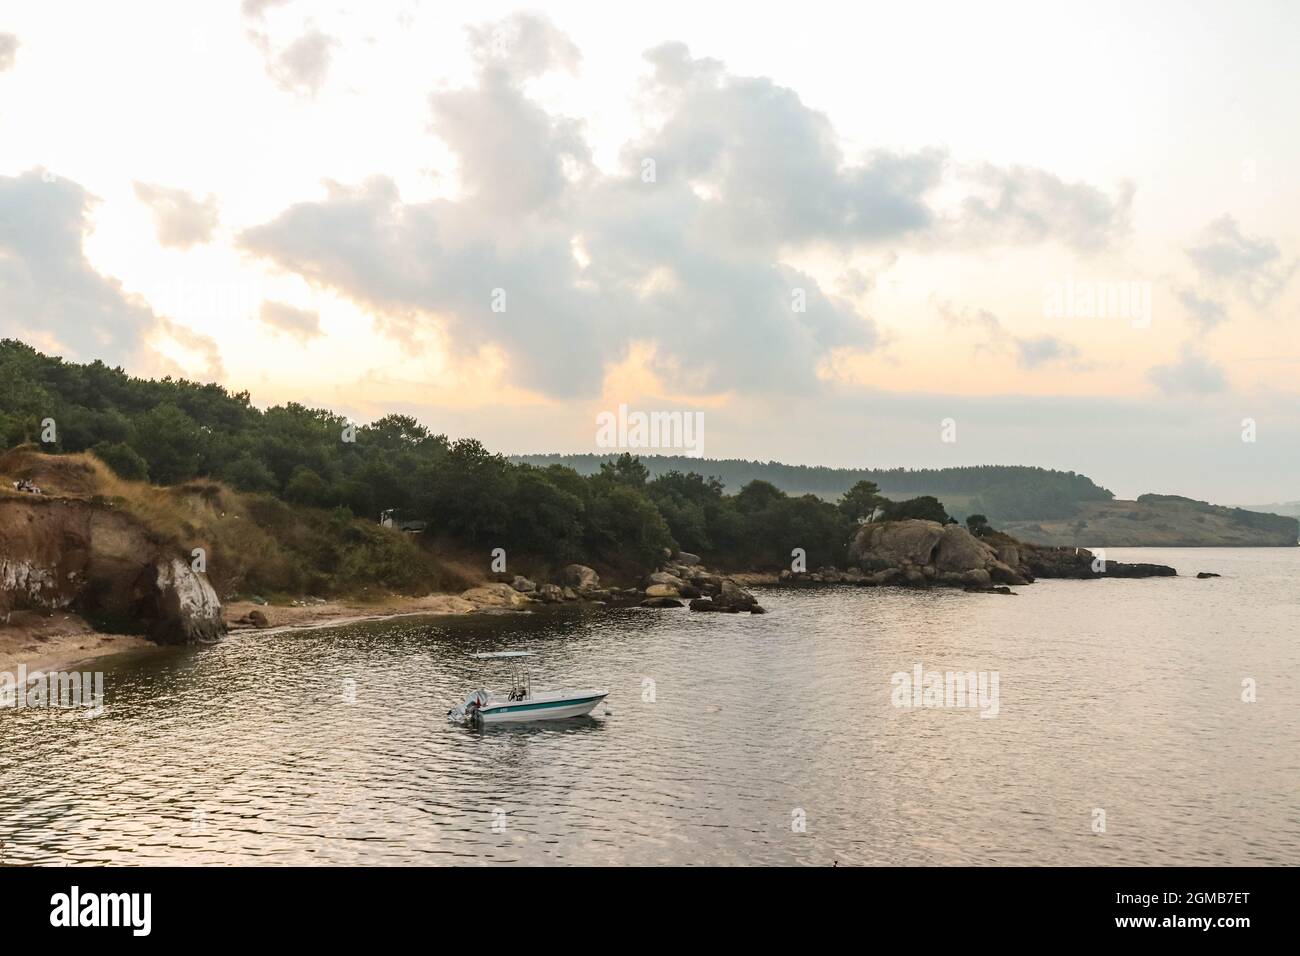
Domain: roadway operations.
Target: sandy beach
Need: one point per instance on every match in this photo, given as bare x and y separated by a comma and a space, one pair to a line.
54, 640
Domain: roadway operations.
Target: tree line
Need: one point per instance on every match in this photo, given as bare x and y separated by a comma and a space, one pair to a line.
169, 431
1003, 492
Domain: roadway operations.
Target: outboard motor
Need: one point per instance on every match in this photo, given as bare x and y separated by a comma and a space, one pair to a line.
468, 711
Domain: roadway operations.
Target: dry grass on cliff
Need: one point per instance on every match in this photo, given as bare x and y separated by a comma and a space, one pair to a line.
253, 544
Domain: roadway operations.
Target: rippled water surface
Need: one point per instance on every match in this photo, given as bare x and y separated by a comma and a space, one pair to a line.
722, 733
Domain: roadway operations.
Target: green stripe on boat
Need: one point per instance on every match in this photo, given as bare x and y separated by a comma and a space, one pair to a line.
540, 705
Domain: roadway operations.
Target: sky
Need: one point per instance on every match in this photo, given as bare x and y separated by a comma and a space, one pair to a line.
865, 235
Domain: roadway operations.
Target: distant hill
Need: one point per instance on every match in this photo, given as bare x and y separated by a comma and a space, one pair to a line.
1001, 492
1290, 508
1038, 505
1154, 521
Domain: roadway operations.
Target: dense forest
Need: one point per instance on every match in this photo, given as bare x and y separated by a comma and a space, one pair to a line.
1002, 492
170, 431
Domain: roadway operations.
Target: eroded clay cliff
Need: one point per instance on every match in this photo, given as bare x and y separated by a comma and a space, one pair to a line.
60, 553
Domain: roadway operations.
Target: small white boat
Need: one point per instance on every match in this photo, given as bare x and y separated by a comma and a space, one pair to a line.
521, 703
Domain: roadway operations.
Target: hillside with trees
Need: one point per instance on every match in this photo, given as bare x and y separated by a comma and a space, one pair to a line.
617, 513
1002, 492
172, 431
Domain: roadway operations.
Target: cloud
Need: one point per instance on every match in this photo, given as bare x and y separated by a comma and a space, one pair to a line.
300, 67
1192, 374
50, 296
254, 9
181, 220
684, 248
512, 153
202, 351
1251, 266
1205, 312
1031, 352
303, 65
1040, 350
8, 51
300, 323
771, 167
855, 282
522, 45
1025, 205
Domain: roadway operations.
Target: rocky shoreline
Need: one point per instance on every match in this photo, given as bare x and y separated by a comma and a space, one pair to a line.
920, 553
71, 556
578, 585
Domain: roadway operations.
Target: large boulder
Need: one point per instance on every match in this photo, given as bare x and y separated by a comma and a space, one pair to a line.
923, 552
497, 594
663, 577
887, 544
918, 553
732, 595
706, 605
580, 577
1009, 554
550, 594
1005, 574
191, 611
662, 590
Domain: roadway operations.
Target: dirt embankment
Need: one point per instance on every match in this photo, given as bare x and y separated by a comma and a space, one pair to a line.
96, 565
81, 575
71, 555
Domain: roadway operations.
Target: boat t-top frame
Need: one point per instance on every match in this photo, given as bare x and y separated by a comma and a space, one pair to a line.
521, 678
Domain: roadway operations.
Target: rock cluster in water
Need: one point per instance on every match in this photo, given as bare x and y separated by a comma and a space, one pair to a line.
920, 553
679, 579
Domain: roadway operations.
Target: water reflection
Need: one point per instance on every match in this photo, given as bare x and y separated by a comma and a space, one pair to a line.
723, 735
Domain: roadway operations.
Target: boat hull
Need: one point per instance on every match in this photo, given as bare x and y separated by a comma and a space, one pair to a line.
521, 711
